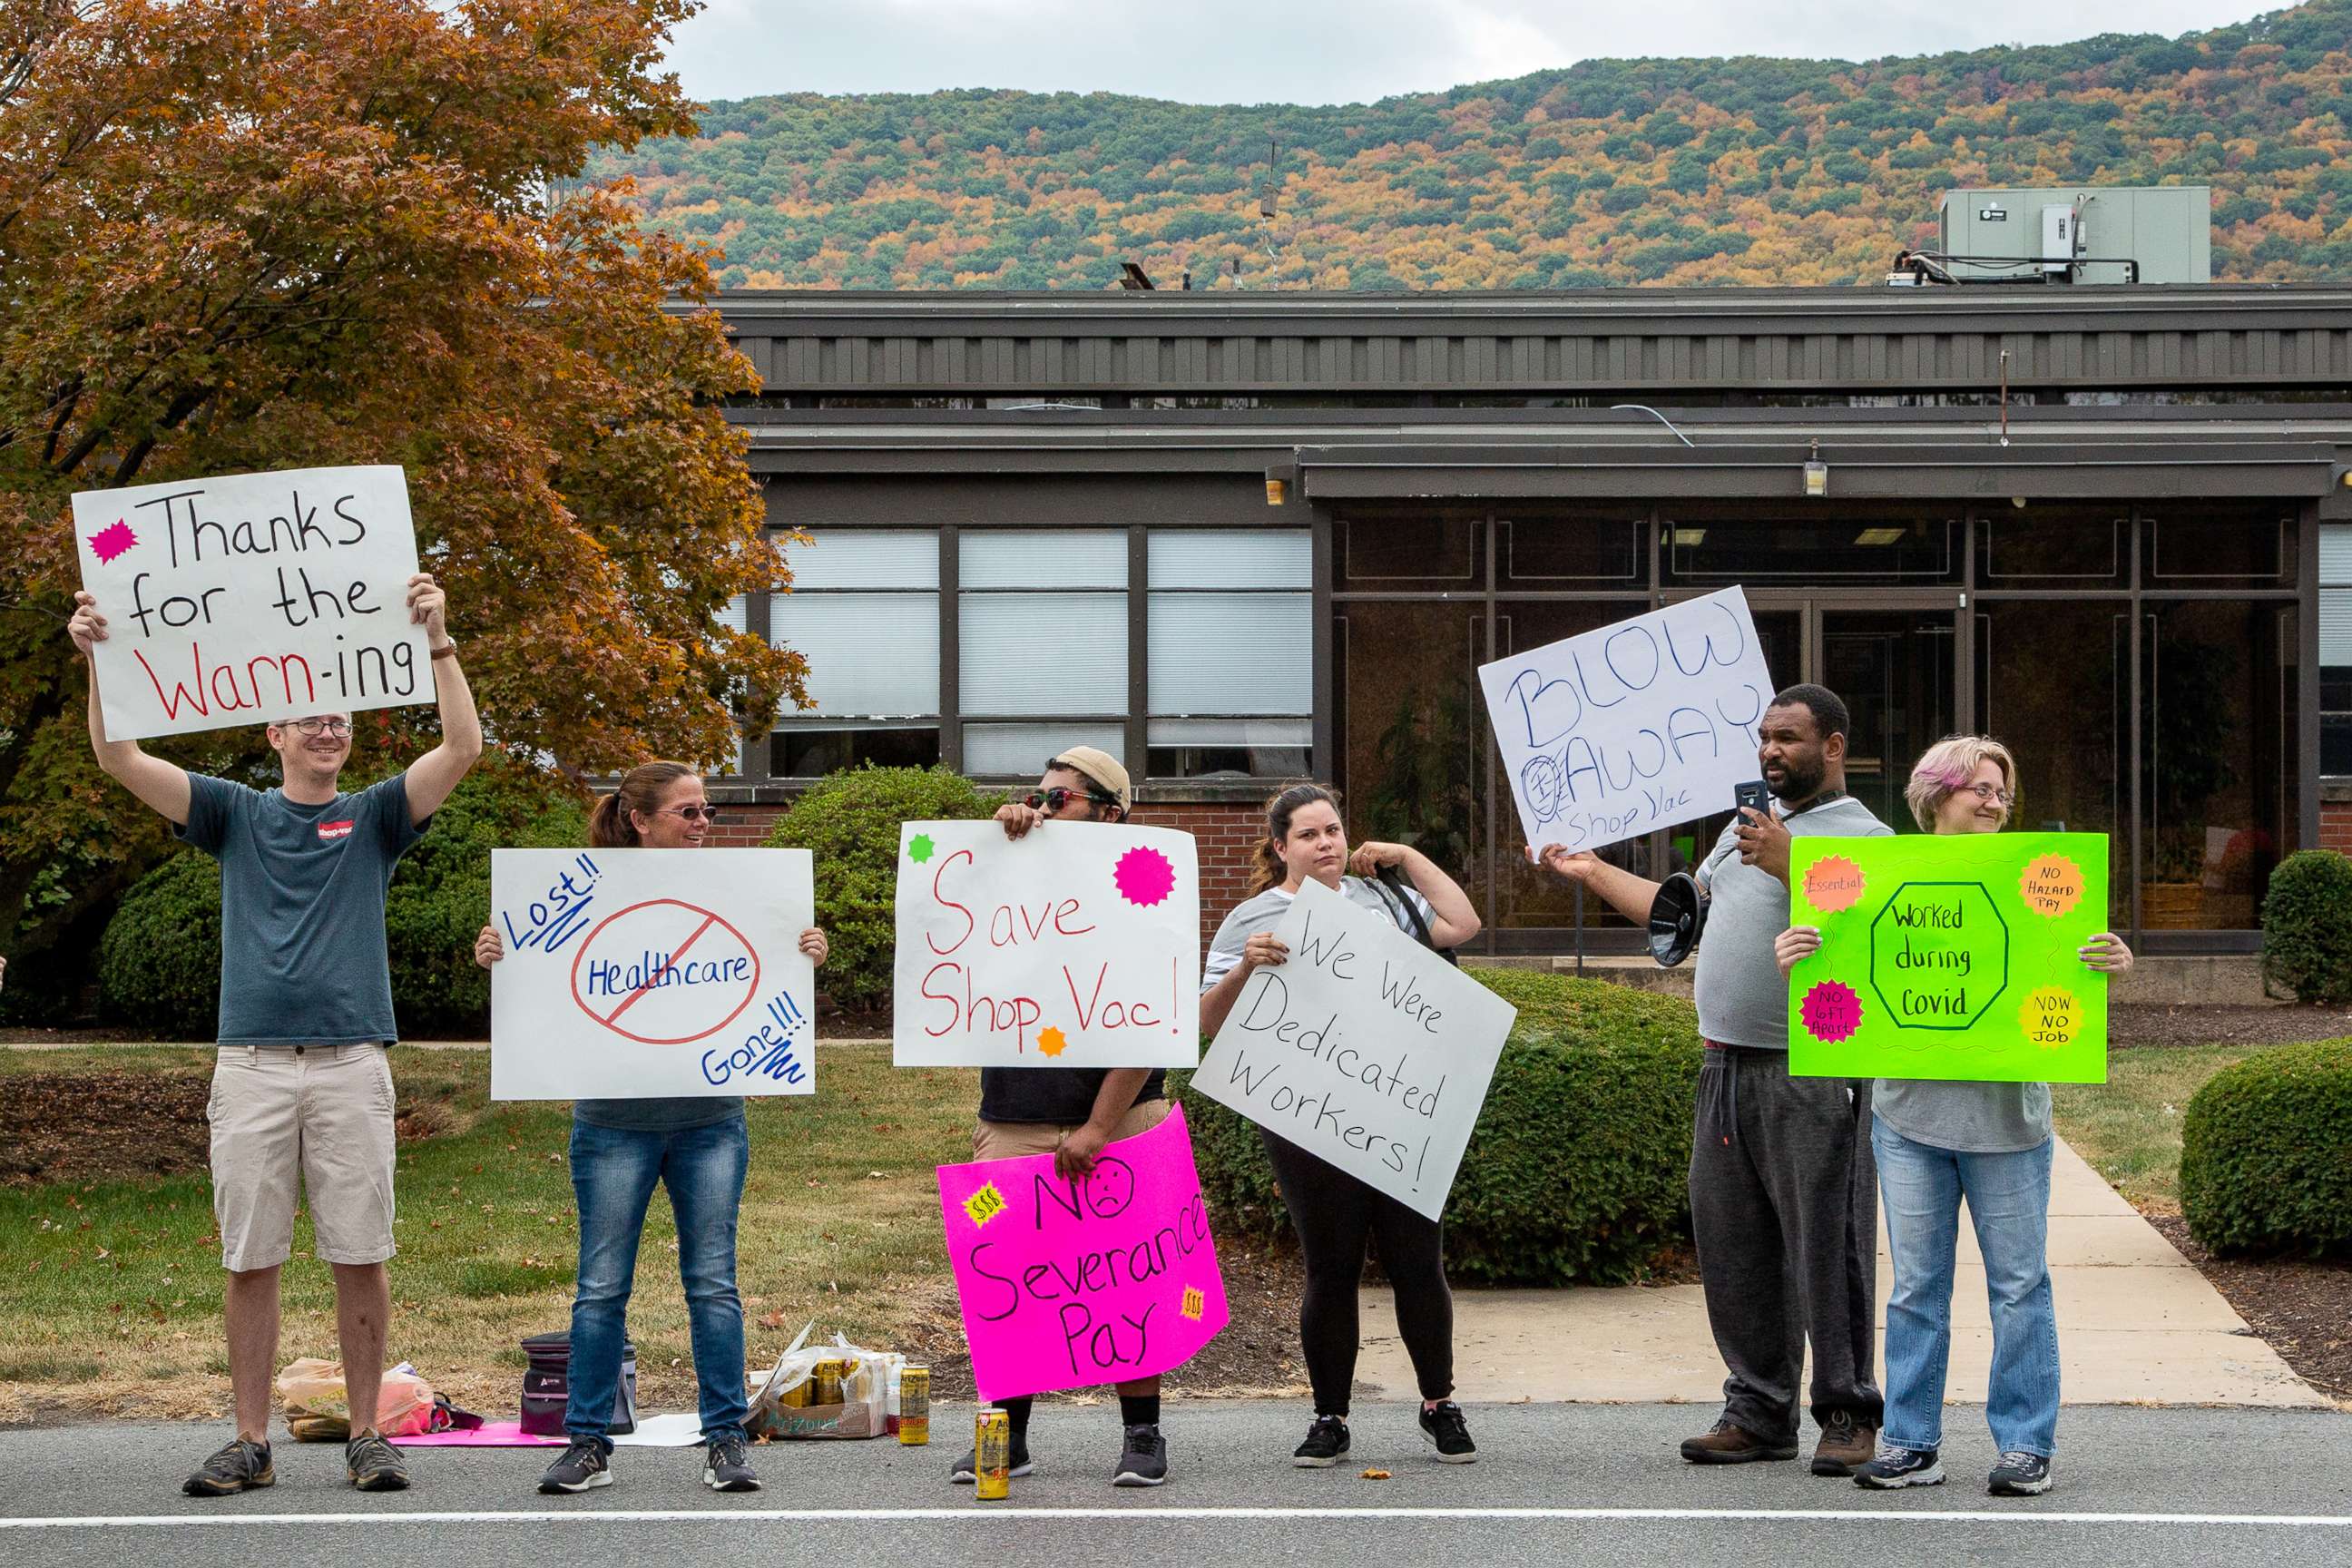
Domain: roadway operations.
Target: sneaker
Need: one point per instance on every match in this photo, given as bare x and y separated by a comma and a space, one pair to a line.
375, 1465
1725, 1444
2020, 1474
1444, 1427
237, 1467
1143, 1460
1895, 1467
1845, 1447
1326, 1441
967, 1469
584, 1468
725, 1468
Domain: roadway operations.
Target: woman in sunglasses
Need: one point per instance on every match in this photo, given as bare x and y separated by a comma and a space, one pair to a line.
698, 1149
1938, 1142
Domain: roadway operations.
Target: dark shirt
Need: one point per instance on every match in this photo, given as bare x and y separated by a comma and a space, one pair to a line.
669, 1113
303, 955
1060, 1097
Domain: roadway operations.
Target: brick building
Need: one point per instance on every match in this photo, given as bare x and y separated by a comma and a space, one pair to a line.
1237, 538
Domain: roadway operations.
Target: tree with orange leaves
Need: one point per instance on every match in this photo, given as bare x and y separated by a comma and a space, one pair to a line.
250, 234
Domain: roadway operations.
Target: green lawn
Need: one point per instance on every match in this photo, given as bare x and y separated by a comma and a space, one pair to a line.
113, 1300
2129, 1127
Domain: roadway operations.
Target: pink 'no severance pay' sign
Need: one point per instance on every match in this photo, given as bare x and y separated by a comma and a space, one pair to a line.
1067, 1284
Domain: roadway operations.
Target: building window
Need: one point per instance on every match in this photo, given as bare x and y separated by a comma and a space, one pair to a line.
1829, 544
1230, 637
1042, 661
2336, 650
863, 611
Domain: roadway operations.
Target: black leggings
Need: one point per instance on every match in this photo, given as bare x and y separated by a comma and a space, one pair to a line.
1335, 1215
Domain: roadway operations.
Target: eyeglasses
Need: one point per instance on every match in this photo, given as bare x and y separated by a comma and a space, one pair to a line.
339, 728
693, 813
1054, 800
1990, 794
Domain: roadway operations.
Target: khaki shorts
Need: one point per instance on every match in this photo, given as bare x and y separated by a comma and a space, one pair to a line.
1007, 1139
316, 1118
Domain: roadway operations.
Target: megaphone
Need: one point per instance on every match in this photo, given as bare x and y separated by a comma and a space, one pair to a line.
1677, 915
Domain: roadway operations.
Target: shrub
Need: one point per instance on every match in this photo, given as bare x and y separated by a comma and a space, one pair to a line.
159, 961
1577, 1170
2264, 1162
2307, 927
849, 822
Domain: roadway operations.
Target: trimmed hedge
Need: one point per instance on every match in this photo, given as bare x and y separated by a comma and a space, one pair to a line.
2266, 1153
159, 961
849, 821
1578, 1171
2307, 927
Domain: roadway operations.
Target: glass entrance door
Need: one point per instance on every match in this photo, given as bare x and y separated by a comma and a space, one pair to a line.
1896, 669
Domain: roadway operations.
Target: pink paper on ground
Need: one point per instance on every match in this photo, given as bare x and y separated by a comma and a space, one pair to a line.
488, 1434
1072, 1284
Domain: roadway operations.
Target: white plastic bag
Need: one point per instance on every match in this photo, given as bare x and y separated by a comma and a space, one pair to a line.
869, 1379
317, 1408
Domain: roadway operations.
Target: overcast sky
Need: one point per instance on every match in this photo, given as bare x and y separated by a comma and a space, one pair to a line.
1331, 51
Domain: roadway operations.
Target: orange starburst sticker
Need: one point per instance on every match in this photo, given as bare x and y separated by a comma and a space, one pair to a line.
1052, 1041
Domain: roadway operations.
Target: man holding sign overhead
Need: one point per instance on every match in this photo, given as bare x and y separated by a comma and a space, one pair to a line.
1783, 1205
303, 1096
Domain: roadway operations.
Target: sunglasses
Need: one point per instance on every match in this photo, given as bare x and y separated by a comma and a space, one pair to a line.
694, 813
1054, 800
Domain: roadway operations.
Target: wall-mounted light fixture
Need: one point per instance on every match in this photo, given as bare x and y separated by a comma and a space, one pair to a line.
1278, 481
1817, 474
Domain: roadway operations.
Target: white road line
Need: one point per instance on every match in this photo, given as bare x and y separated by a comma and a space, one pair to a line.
983, 1513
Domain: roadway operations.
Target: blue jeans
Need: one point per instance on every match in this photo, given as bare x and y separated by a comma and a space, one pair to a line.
613, 1175
2009, 1202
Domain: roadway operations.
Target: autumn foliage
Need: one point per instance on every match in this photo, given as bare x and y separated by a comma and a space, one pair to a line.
1610, 172
237, 235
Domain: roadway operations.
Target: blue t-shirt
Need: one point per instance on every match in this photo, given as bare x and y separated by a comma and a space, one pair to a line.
303, 960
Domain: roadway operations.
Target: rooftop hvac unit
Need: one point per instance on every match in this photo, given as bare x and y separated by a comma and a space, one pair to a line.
2121, 233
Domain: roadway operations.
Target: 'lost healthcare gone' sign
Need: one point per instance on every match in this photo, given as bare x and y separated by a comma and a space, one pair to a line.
1950, 956
1643, 724
1364, 1048
1069, 1283
1077, 945
252, 597
636, 973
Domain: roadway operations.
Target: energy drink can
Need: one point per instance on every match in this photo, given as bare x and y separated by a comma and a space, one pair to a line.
825, 1381
992, 1447
915, 1407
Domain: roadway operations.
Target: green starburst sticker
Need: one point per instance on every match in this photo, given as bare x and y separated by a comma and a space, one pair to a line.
920, 847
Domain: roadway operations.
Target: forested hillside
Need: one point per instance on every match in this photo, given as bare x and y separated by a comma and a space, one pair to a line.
1611, 171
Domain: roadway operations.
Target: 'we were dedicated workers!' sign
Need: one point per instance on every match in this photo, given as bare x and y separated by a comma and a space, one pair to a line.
252, 597
1364, 1048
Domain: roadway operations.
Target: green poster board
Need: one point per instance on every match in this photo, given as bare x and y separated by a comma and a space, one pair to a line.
1950, 956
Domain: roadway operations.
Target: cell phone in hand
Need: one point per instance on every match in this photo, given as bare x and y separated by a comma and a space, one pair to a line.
1754, 797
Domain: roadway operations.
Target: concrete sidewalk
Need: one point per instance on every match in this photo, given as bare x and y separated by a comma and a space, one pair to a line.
2136, 1325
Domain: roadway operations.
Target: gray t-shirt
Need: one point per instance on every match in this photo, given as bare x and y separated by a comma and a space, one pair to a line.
1967, 1117
1263, 911
303, 958
669, 1113
1743, 999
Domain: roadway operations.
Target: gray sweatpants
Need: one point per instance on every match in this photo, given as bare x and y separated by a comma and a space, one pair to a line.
1784, 1205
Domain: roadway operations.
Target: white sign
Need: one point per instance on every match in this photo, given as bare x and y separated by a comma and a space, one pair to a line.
1643, 724
633, 973
1077, 945
1364, 1048
252, 597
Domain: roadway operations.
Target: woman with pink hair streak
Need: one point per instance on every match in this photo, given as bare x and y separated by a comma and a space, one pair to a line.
1991, 1144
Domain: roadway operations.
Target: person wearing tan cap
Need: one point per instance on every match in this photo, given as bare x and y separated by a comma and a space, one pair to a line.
1071, 1113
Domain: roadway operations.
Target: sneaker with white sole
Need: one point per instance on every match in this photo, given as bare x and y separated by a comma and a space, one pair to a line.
2020, 1474
727, 1469
584, 1468
1893, 1467
1327, 1442
1449, 1434
967, 1469
1142, 1459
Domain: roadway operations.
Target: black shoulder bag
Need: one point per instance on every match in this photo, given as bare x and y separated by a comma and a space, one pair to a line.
1394, 880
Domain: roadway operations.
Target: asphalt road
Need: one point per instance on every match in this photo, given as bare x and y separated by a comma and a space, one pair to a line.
1591, 1483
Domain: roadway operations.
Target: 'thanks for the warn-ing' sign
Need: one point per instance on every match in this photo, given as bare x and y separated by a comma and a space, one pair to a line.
252, 597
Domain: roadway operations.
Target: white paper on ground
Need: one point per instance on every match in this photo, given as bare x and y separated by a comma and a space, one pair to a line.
670, 1431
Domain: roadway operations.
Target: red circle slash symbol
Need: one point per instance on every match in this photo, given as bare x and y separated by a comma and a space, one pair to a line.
636, 964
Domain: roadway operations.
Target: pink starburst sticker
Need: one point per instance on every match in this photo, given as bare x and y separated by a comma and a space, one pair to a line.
111, 541
1143, 876
1830, 1010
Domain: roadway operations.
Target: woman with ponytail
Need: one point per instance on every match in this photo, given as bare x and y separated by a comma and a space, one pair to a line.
1335, 1214
696, 1147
